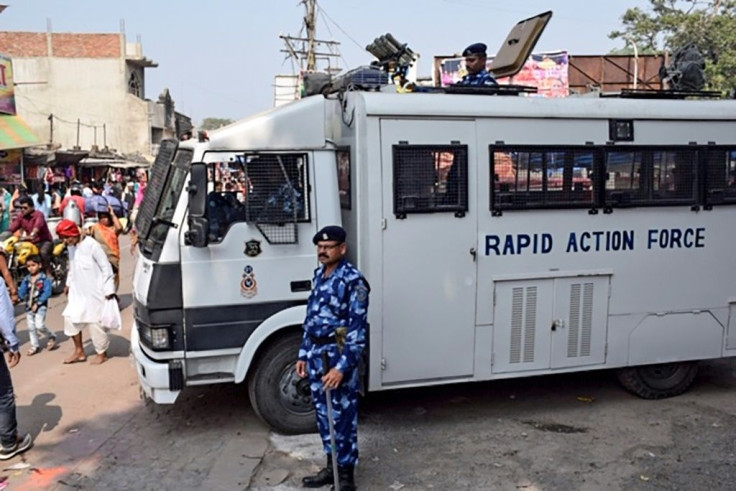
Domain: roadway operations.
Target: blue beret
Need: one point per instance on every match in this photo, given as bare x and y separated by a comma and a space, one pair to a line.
330, 232
477, 49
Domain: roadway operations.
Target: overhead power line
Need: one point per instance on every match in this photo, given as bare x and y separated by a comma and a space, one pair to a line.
338, 26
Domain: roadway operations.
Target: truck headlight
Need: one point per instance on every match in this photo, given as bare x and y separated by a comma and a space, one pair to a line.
157, 337
160, 338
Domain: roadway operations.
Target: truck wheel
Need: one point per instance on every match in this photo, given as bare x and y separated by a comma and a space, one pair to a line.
658, 381
277, 394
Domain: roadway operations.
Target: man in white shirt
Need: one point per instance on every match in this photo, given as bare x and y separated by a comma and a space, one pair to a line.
89, 283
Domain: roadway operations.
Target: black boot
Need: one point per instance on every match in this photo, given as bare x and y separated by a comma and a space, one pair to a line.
322, 478
345, 478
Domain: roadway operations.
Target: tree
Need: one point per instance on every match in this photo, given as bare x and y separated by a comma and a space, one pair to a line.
673, 24
214, 123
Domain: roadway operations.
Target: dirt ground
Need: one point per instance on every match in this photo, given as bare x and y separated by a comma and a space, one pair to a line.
580, 431
92, 431
566, 432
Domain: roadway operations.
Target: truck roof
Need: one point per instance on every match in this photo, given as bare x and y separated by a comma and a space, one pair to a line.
299, 124
303, 124
462, 105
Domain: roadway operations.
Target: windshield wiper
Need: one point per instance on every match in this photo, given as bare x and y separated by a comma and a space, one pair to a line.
157, 220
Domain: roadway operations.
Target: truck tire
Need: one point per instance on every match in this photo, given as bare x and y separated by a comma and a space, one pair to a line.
658, 381
277, 394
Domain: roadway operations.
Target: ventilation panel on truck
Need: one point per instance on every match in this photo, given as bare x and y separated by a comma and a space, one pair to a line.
581, 320
523, 324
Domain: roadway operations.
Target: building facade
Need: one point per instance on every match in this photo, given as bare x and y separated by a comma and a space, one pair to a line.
87, 92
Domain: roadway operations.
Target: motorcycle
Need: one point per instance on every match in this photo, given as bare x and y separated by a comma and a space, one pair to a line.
18, 251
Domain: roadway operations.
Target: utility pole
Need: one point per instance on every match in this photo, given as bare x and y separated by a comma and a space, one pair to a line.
311, 24
308, 51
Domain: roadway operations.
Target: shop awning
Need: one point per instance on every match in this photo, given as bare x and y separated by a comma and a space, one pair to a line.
118, 163
15, 133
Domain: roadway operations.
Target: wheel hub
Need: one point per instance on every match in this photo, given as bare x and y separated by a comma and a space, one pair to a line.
294, 391
662, 376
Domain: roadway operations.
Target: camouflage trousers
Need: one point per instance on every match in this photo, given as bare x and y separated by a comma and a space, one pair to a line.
344, 407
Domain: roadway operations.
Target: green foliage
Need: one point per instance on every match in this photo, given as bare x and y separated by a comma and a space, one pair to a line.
671, 24
629, 50
214, 123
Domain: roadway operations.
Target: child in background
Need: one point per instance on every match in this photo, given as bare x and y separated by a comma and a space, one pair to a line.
35, 291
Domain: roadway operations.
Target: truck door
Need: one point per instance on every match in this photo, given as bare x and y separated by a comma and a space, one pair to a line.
429, 274
260, 258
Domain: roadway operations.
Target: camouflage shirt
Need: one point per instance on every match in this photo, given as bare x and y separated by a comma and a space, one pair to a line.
338, 301
480, 79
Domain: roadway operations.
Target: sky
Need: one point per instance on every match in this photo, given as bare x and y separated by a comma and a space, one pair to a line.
218, 58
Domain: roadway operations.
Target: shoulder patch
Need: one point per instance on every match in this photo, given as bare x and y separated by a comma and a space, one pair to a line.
361, 292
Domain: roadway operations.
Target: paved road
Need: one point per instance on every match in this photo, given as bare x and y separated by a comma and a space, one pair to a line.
565, 432
92, 431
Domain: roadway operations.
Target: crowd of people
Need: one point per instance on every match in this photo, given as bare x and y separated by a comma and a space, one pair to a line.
51, 199
90, 221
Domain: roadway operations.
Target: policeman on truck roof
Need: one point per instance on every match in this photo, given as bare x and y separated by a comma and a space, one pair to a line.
475, 63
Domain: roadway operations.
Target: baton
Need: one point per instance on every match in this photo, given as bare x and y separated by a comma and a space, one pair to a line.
333, 445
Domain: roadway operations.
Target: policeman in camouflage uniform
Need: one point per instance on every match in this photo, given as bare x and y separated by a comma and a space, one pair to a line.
475, 63
335, 324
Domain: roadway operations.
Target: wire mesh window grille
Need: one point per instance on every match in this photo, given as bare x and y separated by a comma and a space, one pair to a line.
650, 176
269, 190
158, 176
344, 172
720, 176
430, 179
542, 177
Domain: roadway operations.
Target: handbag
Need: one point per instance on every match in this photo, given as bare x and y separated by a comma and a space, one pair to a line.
111, 315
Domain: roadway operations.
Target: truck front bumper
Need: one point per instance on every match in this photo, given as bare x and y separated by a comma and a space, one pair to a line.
155, 377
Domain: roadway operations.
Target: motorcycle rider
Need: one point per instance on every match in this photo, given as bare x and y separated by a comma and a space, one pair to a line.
31, 223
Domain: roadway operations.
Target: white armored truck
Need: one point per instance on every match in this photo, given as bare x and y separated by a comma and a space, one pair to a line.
503, 236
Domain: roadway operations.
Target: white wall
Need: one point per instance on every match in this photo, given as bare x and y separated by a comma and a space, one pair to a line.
91, 90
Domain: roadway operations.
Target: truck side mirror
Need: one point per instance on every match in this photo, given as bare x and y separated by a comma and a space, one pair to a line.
198, 223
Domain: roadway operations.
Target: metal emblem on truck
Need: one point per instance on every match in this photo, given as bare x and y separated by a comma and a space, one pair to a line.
253, 248
248, 285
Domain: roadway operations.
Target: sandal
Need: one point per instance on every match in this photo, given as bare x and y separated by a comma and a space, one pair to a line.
51, 344
32, 351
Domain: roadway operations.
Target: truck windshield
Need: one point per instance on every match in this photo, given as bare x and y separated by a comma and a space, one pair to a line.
159, 203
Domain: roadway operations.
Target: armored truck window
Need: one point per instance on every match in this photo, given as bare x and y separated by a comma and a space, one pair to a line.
343, 178
277, 188
720, 176
170, 195
430, 179
650, 177
261, 188
226, 200
541, 177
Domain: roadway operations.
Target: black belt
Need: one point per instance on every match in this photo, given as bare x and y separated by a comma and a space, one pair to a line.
322, 340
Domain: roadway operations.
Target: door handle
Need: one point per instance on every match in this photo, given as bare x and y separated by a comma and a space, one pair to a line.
558, 323
473, 253
301, 286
